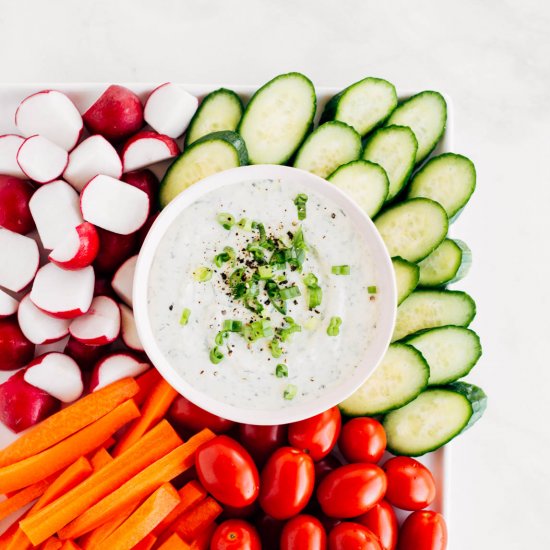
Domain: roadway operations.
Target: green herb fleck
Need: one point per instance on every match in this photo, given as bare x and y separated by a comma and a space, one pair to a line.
185, 314
281, 371
372, 290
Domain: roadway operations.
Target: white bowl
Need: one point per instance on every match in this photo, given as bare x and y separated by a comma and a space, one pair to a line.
385, 282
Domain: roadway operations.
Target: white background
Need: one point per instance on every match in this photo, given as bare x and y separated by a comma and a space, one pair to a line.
493, 59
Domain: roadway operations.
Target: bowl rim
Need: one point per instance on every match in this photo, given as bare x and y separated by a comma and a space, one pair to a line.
387, 295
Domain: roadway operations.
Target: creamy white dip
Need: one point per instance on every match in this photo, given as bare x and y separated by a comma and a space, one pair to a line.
246, 375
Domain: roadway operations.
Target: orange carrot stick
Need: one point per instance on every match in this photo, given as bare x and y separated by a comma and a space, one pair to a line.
69, 421
202, 542
155, 444
191, 523
146, 381
174, 542
139, 487
146, 544
144, 519
190, 495
154, 408
21, 498
53, 543
100, 458
38, 467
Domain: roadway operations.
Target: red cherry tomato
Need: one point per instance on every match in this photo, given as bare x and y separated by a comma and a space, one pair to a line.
316, 435
352, 536
286, 483
423, 531
351, 490
411, 485
235, 534
227, 471
382, 521
303, 532
188, 416
262, 441
324, 467
362, 440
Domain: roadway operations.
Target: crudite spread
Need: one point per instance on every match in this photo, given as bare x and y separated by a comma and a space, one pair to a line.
261, 294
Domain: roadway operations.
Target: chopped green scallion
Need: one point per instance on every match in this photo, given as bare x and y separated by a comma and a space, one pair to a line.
334, 326
289, 292
185, 314
300, 202
265, 272
215, 355
220, 338
231, 325
314, 297
372, 290
275, 348
281, 371
290, 392
245, 224
226, 220
202, 274
340, 270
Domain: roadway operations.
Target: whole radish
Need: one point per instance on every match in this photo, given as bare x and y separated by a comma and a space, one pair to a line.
113, 250
146, 181
15, 195
15, 349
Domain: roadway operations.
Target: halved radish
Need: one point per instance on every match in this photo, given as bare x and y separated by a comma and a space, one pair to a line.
51, 114
16, 350
115, 367
56, 211
15, 195
41, 160
114, 205
23, 405
9, 145
8, 304
57, 374
39, 327
86, 356
61, 293
113, 250
79, 248
90, 158
100, 325
144, 180
116, 115
19, 259
123, 280
129, 332
147, 148
169, 109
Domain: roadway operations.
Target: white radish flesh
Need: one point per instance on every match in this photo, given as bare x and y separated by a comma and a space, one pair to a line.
52, 115
114, 205
100, 325
41, 160
8, 304
90, 158
129, 331
56, 212
57, 374
78, 249
169, 109
39, 327
62, 293
147, 148
123, 280
19, 260
9, 145
116, 367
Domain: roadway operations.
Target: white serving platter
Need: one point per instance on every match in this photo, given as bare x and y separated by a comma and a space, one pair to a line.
84, 95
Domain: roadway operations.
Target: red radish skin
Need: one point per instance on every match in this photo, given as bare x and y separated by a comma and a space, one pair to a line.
16, 350
9, 145
123, 280
85, 356
41, 160
147, 148
50, 114
116, 115
56, 212
23, 405
114, 249
143, 232
56, 374
39, 327
15, 195
115, 367
94, 156
78, 250
61, 293
146, 181
8, 305
129, 332
100, 325
20, 260
169, 109
114, 205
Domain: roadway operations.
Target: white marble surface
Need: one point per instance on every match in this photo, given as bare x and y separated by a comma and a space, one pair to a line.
492, 58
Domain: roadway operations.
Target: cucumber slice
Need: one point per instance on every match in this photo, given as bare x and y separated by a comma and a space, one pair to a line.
434, 418
393, 148
328, 147
220, 110
400, 377
448, 263
206, 156
406, 277
451, 352
426, 115
448, 179
413, 229
363, 105
433, 308
365, 182
278, 118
